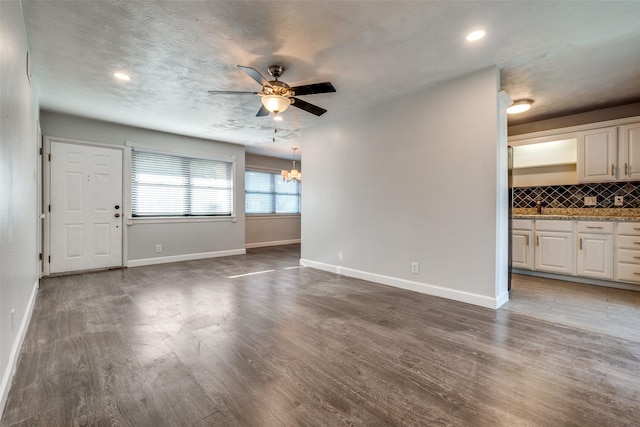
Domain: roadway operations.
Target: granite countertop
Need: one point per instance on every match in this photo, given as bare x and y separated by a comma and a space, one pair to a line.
582, 214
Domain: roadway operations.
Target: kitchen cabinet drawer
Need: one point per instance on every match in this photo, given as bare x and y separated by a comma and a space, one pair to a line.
628, 242
595, 227
629, 228
629, 256
628, 273
522, 224
554, 225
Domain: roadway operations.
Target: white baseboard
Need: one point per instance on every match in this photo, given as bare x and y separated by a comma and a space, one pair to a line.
410, 285
186, 257
274, 243
579, 279
502, 299
10, 370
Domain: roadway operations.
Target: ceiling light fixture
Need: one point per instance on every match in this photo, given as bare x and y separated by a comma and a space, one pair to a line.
294, 174
520, 106
475, 35
275, 103
121, 76
277, 118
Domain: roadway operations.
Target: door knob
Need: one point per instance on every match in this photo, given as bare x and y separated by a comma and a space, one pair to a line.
117, 206
117, 215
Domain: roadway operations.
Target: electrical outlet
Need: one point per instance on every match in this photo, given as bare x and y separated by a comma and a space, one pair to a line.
158, 248
340, 256
415, 267
591, 201
13, 319
618, 201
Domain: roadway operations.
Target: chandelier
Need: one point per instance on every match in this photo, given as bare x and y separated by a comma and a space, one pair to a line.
294, 174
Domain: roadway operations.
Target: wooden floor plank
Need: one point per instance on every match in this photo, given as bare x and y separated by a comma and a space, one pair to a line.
189, 344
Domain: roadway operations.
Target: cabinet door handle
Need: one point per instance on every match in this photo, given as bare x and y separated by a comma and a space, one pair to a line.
636, 243
626, 169
526, 240
637, 274
635, 228
636, 257
581, 243
597, 228
537, 240
613, 169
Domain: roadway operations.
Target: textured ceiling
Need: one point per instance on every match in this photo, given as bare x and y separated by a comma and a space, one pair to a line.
567, 56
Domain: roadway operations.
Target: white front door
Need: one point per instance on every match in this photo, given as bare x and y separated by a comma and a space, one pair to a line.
86, 207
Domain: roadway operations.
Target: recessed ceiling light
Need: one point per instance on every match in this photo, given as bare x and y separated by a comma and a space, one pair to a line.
475, 35
121, 76
520, 106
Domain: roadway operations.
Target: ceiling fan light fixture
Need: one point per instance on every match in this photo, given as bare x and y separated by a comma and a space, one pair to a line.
275, 103
520, 106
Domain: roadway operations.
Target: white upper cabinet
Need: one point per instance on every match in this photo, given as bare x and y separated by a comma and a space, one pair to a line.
629, 152
597, 155
606, 152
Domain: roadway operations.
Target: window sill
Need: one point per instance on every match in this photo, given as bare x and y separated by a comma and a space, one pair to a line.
271, 216
176, 219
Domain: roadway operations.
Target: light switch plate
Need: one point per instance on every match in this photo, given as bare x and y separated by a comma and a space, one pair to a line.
618, 201
591, 201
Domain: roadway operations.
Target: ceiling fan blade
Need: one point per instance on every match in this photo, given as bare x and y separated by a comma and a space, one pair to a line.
325, 87
262, 112
303, 105
255, 75
230, 92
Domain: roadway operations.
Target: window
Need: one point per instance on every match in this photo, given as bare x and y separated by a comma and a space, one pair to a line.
168, 185
268, 193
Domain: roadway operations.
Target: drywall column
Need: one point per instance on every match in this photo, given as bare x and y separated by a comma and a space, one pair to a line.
411, 181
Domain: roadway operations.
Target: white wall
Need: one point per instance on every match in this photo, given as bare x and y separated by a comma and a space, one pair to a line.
271, 230
18, 191
181, 240
415, 180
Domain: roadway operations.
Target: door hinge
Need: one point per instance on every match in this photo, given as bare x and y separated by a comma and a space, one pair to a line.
40, 151
49, 258
40, 256
49, 156
49, 208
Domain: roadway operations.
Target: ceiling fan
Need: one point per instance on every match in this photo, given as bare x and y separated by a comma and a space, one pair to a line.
276, 96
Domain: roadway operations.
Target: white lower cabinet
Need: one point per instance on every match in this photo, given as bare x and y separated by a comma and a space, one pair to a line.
555, 246
628, 252
606, 250
595, 249
522, 244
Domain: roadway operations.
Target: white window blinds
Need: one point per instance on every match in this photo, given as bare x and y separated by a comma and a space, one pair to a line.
268, 193
169, 185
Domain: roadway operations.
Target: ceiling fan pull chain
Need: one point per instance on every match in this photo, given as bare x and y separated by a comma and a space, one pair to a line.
275, 131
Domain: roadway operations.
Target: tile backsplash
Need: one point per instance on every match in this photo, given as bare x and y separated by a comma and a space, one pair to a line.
572, 196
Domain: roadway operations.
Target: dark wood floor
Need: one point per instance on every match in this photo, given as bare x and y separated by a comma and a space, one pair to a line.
185, 345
